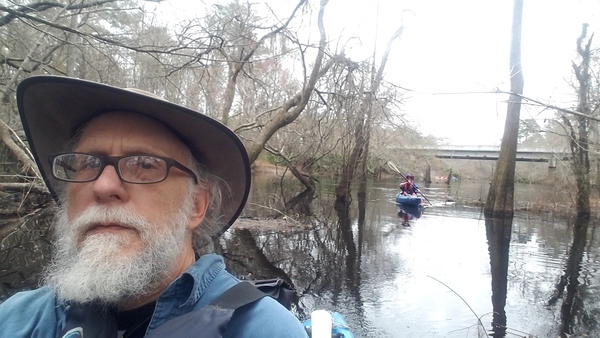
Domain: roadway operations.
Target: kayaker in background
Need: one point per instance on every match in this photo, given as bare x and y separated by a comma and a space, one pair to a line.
409, 187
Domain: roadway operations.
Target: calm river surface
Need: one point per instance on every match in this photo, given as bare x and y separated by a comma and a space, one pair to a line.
433, 278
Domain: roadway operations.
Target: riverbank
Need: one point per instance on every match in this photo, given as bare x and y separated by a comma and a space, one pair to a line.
561, 206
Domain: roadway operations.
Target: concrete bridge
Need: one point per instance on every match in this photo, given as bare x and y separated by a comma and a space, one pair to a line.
492, 152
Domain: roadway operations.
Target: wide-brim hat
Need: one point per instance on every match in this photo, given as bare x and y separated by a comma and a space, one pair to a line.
52, 108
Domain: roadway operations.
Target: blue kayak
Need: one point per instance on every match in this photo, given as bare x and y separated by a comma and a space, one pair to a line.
408, 200
339, 327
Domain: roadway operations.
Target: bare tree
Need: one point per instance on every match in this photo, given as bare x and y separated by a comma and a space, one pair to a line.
241, 54
232, 65
359, 156
579, 131
34, 38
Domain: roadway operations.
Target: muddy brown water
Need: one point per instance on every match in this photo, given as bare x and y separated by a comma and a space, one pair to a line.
437, 277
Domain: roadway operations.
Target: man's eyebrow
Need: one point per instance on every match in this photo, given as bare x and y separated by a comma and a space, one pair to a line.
137, 150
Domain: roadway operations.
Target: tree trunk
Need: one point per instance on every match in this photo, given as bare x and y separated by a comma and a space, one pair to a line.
342, 190
303, 174
597, 173
500, 199
21, 153
234, 69
427, 178
580, 145
364, 166
72, 50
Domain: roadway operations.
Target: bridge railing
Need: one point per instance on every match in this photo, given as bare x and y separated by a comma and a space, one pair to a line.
492, 153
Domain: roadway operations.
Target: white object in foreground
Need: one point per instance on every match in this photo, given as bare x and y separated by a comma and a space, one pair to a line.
322, 324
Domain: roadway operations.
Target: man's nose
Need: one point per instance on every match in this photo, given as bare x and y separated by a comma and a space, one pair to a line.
108, 186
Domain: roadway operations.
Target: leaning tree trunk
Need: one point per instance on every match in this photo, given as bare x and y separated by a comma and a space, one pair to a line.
236, 65
291, 109
500, 199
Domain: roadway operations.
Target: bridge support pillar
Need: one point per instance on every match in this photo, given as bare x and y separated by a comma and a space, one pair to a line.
552, 163
552, 168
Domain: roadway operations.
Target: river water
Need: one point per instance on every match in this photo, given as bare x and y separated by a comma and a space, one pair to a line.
433, 278
437, 277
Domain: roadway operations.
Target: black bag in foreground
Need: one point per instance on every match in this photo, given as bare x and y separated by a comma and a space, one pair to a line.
279, 289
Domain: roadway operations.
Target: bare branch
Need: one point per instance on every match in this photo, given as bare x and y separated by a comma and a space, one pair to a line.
550, 106
43, 6
5, 136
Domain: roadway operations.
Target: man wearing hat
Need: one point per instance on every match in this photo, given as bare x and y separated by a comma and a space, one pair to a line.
143, 188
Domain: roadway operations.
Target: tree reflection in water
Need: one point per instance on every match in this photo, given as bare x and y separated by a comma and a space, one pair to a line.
498, 233
573, 309
303, 258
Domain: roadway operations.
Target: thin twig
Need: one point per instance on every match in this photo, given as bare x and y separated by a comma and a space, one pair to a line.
464, 301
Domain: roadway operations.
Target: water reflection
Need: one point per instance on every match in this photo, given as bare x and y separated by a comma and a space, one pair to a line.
359, 260
352, 257
408, 213
365, 265
573, 305
573, 308
576, 319
498, 232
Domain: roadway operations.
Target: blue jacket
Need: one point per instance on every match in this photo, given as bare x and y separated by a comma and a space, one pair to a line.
37, 313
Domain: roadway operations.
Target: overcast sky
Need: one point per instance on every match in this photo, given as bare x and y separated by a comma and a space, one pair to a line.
463, 46
452, 51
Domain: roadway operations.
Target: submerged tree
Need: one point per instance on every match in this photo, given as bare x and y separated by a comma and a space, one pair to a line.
500, 199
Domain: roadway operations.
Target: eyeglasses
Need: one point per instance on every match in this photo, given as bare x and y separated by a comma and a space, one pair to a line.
139, 169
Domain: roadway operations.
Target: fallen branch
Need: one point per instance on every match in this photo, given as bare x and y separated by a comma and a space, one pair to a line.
31, 187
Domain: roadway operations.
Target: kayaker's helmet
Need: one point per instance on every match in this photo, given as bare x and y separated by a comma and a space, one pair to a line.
410, 176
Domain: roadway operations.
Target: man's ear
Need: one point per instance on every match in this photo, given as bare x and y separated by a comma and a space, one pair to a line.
200, 207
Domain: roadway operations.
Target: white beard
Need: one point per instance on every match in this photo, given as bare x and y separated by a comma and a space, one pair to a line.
96, 270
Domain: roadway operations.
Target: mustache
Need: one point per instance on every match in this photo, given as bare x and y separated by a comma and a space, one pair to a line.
98, 215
